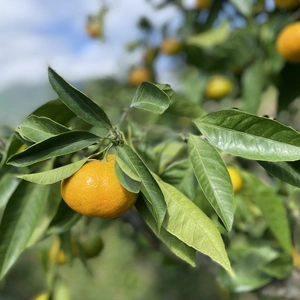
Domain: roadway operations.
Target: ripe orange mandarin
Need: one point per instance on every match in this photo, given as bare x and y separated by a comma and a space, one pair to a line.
288, 42
171, 46
94, 190
201, 4
138, 75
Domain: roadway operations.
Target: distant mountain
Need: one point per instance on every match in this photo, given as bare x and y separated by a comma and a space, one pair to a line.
17, 102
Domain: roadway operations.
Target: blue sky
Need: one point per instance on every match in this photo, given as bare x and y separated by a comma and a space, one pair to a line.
35, 34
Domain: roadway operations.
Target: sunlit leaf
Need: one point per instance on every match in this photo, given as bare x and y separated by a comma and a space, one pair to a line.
244, 7
19, 220
58, 145
213, 178
78, 102
249, 136
38, 129
189, 224
54, 175
211, 37
151, 97
179, 248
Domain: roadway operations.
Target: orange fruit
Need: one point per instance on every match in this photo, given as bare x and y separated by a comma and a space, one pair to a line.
94, 190
236, 178
171, 46
288, 42
138, 75
290, 4
218, 87
202, 4
93, 29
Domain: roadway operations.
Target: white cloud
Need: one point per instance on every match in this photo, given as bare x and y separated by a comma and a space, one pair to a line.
36, 34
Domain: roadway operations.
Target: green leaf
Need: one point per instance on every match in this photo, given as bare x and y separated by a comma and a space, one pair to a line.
50, 110
242, 134
8, 184
272, 208
179, 248
149, 187
63, 220
213, 178
151, 97
279, 268
55, 175
247, 267
189, 224
283, 171
19, 220
244, 7
78, 102
253, 80
49, 211
210, 38
58, 145
126, 181
37, 129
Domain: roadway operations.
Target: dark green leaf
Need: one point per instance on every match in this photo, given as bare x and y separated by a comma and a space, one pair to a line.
253, 80
213, 178
19, 220
283, 171
179, 248
126, 181
78, 102
37, 129
151, 97
149, 187
49, 211
249, 136
63, 220
58, 145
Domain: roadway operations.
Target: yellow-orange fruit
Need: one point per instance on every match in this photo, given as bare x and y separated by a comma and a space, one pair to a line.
138, 75
290, 4
236, 178
94, 190
218, 87
288, 42
202, 4
171, 46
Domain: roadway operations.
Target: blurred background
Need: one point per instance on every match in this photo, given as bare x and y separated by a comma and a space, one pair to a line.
96, 45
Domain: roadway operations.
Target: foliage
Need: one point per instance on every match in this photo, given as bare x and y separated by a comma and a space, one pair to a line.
174, 149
